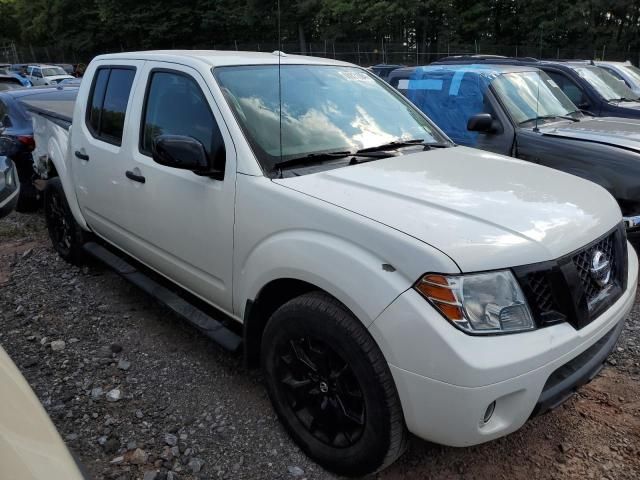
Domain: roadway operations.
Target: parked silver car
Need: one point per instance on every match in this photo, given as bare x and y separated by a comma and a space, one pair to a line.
625, 72
46, 74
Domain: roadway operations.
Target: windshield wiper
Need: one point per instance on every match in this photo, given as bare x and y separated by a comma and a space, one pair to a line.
312, 158
402, 143
549, 117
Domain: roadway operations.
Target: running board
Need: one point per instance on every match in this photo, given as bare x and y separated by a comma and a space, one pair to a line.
211, 327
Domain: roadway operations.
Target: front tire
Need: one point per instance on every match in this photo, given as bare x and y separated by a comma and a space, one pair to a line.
331, 386
66, 235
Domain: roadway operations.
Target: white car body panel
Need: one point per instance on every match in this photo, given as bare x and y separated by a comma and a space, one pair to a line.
363, 233
30, 446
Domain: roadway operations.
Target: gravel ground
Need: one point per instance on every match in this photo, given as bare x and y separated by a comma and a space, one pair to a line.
139, 394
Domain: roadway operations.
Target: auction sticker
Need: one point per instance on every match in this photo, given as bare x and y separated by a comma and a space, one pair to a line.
356, 76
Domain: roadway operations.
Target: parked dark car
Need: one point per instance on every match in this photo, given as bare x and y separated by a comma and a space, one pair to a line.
16, 136
67, 67
9, 82
519, 111
591, 88
9, 186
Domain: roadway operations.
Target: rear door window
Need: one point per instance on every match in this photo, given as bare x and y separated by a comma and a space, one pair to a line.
108, 103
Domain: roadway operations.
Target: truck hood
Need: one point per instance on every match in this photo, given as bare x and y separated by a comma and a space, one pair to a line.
483, 210
619, 132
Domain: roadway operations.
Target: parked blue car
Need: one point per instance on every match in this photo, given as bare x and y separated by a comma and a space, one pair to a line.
591, 88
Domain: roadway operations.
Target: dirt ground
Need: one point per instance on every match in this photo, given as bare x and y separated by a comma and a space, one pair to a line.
186, 409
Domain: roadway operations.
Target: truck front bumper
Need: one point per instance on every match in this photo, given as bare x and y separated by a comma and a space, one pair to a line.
448, 381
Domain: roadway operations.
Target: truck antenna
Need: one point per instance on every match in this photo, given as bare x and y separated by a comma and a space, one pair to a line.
535, 128
280, 81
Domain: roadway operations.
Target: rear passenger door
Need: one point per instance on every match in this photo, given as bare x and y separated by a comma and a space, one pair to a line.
98, 142
181, 223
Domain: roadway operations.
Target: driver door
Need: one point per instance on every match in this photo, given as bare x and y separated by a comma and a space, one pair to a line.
181, 224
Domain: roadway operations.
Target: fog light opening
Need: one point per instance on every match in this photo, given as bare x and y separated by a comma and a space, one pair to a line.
488, 413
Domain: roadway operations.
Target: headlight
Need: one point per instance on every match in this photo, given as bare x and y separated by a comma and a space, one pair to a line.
480, 303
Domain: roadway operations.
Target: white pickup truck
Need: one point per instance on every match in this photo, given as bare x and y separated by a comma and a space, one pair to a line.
386, 280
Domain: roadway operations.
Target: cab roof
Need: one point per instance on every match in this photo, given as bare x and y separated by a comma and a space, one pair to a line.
218, 58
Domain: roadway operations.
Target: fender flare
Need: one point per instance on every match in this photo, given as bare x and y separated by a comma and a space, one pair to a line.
322, 260
56, 154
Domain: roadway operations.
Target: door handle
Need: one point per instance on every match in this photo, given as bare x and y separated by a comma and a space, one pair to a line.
136, 178
81, 155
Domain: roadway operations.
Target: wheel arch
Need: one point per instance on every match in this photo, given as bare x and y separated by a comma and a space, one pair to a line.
51, 161
258, 311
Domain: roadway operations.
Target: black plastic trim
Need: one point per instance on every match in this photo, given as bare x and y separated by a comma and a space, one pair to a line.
564, 381
210, 326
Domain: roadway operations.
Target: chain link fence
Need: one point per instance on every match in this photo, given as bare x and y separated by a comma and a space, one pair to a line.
361, 53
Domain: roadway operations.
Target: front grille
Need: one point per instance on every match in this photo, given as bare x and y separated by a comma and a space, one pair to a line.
541, 298
582, 261
564, 289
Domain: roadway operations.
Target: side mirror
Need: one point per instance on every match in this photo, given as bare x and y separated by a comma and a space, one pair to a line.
584, 106
480, 122
181, 151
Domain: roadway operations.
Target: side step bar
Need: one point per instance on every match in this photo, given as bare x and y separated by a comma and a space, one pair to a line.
208, 325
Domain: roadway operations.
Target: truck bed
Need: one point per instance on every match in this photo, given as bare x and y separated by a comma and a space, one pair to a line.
56, 106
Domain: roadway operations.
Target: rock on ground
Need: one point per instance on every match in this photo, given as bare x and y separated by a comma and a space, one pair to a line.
181, 384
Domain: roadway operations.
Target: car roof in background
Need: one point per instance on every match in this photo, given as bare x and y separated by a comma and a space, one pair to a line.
487, 69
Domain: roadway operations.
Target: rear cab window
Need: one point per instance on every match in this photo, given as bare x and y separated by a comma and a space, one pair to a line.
108, 100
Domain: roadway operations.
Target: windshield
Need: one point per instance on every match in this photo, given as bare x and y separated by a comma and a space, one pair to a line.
608, 86
324, 109
52, 71
530, 95
633, 72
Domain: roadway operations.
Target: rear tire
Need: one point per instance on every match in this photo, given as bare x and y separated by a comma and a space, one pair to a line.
331, 386
66, 235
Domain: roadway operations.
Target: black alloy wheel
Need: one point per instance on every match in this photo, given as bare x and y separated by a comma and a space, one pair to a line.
322, 391
331, 386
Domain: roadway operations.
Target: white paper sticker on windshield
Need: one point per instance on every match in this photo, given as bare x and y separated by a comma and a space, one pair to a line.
356, 76
552, 83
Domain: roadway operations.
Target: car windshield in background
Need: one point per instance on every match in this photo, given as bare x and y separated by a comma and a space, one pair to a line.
532, 95
633, 72
605, 84
53, 71
324, 109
